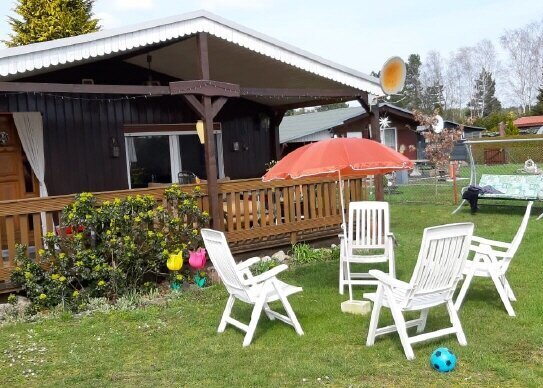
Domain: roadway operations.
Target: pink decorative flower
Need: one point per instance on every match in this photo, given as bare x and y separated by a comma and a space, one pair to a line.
197, 259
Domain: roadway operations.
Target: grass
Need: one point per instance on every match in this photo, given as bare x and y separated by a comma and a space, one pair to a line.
177, 345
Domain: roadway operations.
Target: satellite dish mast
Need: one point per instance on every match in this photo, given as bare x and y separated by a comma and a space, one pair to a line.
392, 77
438, 126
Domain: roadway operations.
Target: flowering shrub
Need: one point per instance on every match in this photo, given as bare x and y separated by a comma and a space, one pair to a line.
114, 248
438, 145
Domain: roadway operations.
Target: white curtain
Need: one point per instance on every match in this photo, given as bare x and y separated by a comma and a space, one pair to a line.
30, 129
131, 149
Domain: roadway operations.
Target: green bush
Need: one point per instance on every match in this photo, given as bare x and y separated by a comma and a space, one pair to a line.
110, 249
302, 253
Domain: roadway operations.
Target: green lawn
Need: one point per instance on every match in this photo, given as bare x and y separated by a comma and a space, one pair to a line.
177, 345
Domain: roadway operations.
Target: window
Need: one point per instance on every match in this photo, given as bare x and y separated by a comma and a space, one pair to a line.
389, 137
158, 157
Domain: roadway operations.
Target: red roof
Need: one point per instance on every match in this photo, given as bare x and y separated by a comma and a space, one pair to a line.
529, 121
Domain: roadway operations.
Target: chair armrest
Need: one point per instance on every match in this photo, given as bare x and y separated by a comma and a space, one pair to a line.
265, 276
391, 236
389, 280
493, 243
247, 263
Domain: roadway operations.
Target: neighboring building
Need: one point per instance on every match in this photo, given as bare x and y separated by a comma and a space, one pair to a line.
117, 109
530, 124
403, 132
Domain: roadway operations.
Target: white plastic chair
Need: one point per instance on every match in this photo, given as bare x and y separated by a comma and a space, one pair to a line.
442, 257
491, 260
367, 240
241, 284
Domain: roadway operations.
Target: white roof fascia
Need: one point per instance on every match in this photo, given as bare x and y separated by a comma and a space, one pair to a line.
23, 59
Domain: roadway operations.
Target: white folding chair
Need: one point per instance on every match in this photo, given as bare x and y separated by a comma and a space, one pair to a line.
367, 240
442, 257
492, 259
241, 284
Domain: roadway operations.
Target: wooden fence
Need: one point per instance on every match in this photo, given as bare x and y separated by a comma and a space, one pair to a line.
254, 214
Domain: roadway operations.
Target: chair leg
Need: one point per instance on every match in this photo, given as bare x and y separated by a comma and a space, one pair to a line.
375, 316
349, 280
423, 318
392, 267
255, 316
401, 327
453, 314
508, 288
341, 276
266, 310
463, 290
226, 313
289, 310
503, 294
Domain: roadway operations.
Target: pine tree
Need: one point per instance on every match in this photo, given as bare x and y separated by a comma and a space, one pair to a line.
484, 101
413, 87
432, 98
538, 107
43, 20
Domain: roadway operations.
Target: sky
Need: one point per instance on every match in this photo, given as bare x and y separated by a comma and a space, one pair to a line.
360, 34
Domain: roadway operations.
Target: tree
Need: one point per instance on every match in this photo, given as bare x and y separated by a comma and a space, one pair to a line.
525, 49
338, 105
538, 107
43, 20
412, 91
484, 101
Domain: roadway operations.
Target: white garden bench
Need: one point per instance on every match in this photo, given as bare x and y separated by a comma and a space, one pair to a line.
519, 187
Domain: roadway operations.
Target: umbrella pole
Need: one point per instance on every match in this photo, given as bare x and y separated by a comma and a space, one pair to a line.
343, 225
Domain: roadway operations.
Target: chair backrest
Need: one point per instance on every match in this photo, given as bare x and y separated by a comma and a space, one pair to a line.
442, 257
368, 225
223, 261
518, 237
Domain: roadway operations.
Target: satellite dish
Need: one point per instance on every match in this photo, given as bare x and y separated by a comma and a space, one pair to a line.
438, 126
392, 76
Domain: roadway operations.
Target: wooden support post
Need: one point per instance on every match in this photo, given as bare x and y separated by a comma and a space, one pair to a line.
275, 146
209, 143
376, 135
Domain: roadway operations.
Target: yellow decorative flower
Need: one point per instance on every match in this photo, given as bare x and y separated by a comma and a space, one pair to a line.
62, 279
55, 276
88, 217
41, 252
75, 294
101, 283
179, 277
42, 296
137, 219
61, 255
150, 233
28, 275
175, 262
108, 232
49, 234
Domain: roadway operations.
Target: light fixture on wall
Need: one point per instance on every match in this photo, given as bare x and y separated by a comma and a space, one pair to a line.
235, 146
200, 131
115, 149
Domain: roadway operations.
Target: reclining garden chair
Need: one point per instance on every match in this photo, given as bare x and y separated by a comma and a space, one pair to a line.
367, 240
491, 260
241, 284
442, 257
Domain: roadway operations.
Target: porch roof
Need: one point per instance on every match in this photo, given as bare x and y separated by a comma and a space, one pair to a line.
237, 55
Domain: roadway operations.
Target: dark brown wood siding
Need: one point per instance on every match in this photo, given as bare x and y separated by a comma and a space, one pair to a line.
78, 131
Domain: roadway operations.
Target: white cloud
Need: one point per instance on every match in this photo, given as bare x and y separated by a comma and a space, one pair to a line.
108, 21
134, 4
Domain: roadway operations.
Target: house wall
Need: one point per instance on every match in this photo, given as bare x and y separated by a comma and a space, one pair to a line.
78, 132
406, 136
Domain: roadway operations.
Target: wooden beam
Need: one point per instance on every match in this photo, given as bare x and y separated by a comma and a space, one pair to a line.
363, 100
277, 92
376, 135
313, 102
38, 87
217, 105
205, 87
203, 55
180, 127
195, 105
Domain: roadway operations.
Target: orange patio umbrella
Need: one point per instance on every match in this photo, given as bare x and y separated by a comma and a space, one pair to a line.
339, 156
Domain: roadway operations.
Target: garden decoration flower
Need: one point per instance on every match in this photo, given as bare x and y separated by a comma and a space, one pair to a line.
197, 260
174, 264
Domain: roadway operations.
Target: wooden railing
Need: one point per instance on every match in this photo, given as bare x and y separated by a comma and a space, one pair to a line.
254, 214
